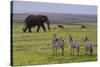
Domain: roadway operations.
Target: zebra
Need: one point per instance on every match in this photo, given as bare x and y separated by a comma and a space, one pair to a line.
74, 45
57, 43
88, 46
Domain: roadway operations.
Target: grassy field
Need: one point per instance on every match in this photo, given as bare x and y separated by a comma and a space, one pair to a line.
35, 48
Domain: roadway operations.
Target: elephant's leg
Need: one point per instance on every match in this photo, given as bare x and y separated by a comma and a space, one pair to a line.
29, 29
43, 27
38, 28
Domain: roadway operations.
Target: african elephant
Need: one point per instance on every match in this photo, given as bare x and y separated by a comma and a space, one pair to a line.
36, 20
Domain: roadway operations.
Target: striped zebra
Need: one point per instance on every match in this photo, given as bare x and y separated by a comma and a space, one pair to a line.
74, 45
88, 46
57, 43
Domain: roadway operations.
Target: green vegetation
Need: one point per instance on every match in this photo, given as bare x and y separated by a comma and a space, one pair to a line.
35, 48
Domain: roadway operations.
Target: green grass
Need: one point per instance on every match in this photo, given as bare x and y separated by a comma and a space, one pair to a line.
35, 48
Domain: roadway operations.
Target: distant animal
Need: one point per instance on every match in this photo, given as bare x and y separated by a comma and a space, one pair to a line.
61, 26
36, 20
74, 45
83, 26
88, 46
57, 43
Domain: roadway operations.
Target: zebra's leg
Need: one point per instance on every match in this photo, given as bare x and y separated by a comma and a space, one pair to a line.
86, 51
53, 51
78, 49
70, 51
73, 51
62, 51
56, 51
91, 51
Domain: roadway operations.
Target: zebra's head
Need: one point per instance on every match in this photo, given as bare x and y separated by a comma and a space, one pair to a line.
70, 38
85, 39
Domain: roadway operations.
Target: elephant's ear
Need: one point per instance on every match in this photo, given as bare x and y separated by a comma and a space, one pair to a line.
46, 20
43, 18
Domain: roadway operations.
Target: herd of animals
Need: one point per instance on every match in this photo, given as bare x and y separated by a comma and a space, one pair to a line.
74, 45
39, 20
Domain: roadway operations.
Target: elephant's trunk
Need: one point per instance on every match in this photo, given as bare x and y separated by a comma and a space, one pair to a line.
48, 24
49, 27
24, 28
